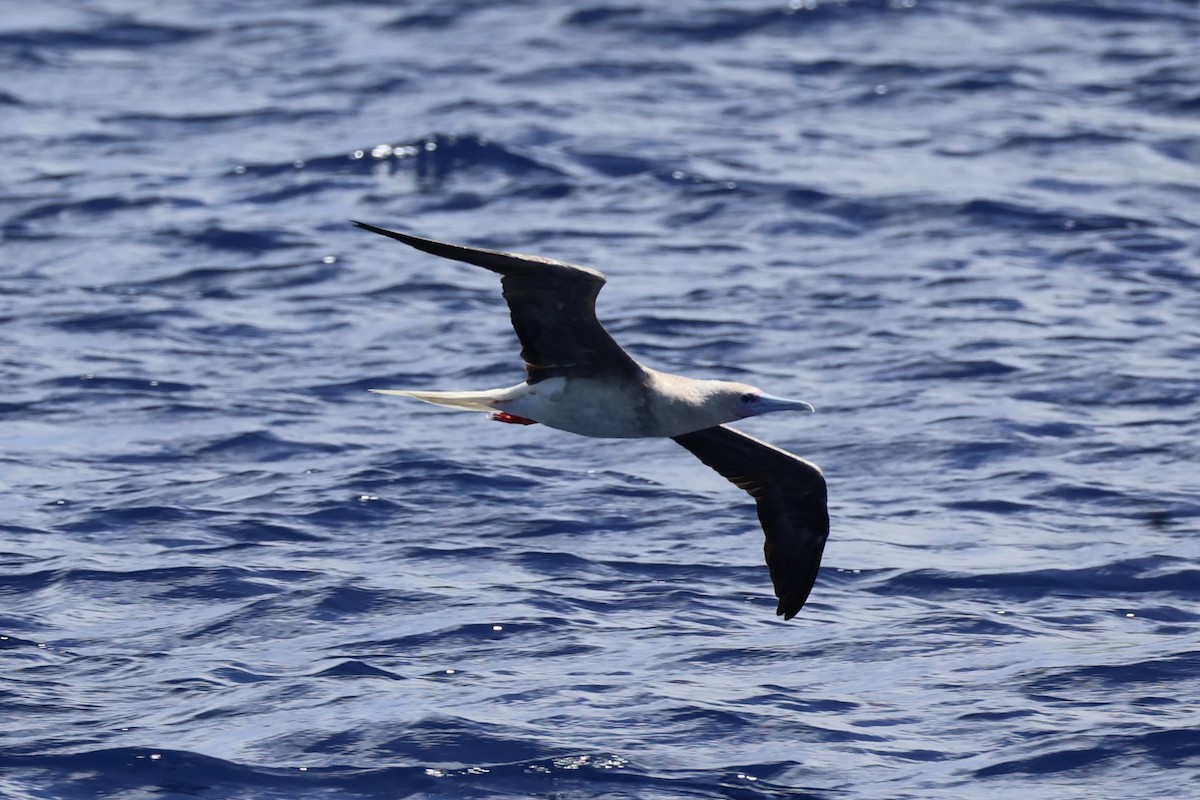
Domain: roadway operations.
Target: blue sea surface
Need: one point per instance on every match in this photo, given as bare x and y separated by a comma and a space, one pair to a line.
967, 232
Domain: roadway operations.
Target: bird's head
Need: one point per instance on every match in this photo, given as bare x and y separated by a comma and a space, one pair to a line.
750, 401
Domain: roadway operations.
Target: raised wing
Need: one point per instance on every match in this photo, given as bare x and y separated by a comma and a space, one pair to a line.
791, 498
553, 308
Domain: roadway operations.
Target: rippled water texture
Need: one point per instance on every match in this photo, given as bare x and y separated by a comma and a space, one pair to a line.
966, 232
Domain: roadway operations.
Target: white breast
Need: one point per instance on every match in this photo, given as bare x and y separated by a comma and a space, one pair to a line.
614, 409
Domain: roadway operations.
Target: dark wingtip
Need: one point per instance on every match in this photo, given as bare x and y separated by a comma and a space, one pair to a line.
375, 229
791, 603
419, 242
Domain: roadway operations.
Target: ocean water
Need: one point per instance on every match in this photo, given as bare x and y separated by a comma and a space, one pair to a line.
966, 232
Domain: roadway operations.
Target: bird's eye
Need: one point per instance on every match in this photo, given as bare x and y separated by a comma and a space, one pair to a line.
747, 397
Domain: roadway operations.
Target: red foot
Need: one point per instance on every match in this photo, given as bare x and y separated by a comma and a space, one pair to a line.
503, 416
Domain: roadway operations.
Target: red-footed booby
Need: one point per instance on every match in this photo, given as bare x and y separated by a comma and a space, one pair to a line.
579, 380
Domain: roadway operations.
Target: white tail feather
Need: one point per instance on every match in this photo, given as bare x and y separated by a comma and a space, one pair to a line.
465, 401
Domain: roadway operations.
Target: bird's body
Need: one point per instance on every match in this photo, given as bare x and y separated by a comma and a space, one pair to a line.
579, 380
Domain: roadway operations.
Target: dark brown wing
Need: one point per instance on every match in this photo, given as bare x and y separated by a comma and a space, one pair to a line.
553, 307
791, 499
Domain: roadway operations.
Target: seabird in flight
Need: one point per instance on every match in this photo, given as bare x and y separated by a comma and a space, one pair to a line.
579, 380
